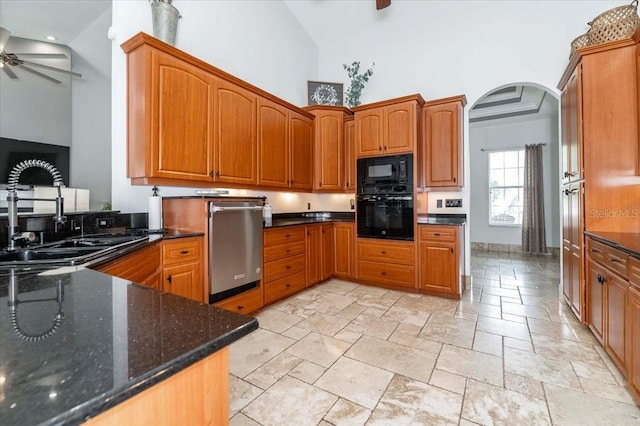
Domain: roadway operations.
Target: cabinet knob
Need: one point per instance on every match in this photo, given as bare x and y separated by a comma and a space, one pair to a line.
169, 279
288, 285
319, 183
383, 252
454, 180
451, 250
379, 148
385, 147
240, 307
218, 173
288, 267
184, 252
211, 173
383, 273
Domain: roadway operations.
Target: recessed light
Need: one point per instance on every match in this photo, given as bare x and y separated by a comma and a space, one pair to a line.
52, 38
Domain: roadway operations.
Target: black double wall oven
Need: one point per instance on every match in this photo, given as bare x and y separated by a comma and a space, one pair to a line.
385, 197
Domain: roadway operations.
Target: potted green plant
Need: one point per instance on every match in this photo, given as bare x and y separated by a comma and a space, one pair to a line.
357, 83
165, 20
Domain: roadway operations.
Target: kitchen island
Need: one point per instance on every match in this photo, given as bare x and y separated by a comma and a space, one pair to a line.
78, 345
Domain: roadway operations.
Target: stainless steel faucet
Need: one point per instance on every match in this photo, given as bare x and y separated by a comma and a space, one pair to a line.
13, 232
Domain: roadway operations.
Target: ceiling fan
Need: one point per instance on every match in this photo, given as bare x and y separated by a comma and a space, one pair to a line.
9, 60
381, 4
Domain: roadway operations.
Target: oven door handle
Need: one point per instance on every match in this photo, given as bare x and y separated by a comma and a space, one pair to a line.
217, 209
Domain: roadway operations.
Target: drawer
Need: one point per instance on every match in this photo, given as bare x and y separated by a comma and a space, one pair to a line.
437, 233
388, 273
597, 251
274, 237
283, 267
387, 251
244, 303
284, 287
180, 250
634, 271
618, 261
283, 250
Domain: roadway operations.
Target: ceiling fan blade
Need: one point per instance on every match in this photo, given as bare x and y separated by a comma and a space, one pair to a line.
45, 55
8, 72
33, 64
381, 4
39, 74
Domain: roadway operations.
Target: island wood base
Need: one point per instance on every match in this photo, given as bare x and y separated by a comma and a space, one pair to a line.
197, 395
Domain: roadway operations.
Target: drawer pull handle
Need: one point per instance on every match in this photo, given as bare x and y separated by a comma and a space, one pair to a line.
383, 252
593, 250
288, 250
184, 252
240, 307
288, 266
437, 234
288, 285
383, 273
614, 260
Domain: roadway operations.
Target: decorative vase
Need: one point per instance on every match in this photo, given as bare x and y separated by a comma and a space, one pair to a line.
165, 21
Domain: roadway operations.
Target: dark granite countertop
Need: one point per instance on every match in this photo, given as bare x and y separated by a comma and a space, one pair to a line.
291, 219
112, 340
442, 219
628, 242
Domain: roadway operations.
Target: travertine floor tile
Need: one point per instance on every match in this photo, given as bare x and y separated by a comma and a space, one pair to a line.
610, 391
449, 381
347, 413
411, 402
338, 286
488, 343
415, 342
271, 371
487, 404
319, 349
538, 367
406, 315
242, 420
241, 393
503, 328
255, 349
277, 321
471, 364
283, 403
355, 381
372, 326
307, 371
326, 324
525, 385
410, 362
330, 303
569, 407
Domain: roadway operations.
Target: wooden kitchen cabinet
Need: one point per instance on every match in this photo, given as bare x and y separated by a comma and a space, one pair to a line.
314, 254
572, 142
573, 287
301, 151
633, 328
350, 155
388, 127
273, 144
141, 266
182, 268
328, 163
386, 262
440, 157
617, 293
441, 260
326, 236
169, 128
344, 238
235, 137
284, 262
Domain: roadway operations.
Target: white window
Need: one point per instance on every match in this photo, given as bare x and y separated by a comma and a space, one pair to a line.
506, 176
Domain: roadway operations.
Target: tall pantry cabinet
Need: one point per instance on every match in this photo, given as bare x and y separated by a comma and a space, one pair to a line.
600, 154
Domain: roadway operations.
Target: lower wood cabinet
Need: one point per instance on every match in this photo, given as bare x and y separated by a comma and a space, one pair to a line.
244, 303
141, 266
326, 234
633, 338
441, 259
285, 262
182, 268
314, 253
344, 238
386, 262
595, 299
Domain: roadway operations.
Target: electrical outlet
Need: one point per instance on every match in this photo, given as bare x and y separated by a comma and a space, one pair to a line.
457, 202
439, 204
105, 222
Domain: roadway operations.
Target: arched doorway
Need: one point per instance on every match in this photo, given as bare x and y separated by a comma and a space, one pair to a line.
501, 123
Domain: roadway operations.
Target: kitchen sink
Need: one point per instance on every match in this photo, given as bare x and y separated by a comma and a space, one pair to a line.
73, 251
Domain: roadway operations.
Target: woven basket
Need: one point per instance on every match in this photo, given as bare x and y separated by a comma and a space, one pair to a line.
614, 24
578, 42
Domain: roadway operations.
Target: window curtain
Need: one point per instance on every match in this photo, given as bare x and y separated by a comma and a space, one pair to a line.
533, 232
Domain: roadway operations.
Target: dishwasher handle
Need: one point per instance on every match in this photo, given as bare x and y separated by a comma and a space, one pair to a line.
215, 209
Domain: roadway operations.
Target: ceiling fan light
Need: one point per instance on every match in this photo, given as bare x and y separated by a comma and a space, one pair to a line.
4, 36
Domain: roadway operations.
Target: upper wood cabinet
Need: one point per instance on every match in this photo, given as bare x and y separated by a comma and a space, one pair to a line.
235, 134
440, 158
388, 127
349, 155
572, 143
191, 124
168, 137
329, 147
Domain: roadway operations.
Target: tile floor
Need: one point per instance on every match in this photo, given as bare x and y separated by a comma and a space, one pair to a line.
508, 353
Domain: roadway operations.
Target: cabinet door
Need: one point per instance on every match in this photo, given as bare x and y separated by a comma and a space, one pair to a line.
369, 131
301, 145
273, 144
617, 290
633, 333
314, 253
566, 273
399, 128
142, 266
183, 280
443, 141
182, 134
327, 251
577, 247
235, 136
565, 143
574, 117
438, 271
329, 151
344, 255
595, 300
350, 156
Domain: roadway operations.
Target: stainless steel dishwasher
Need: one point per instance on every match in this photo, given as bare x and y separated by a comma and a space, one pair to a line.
235, 247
